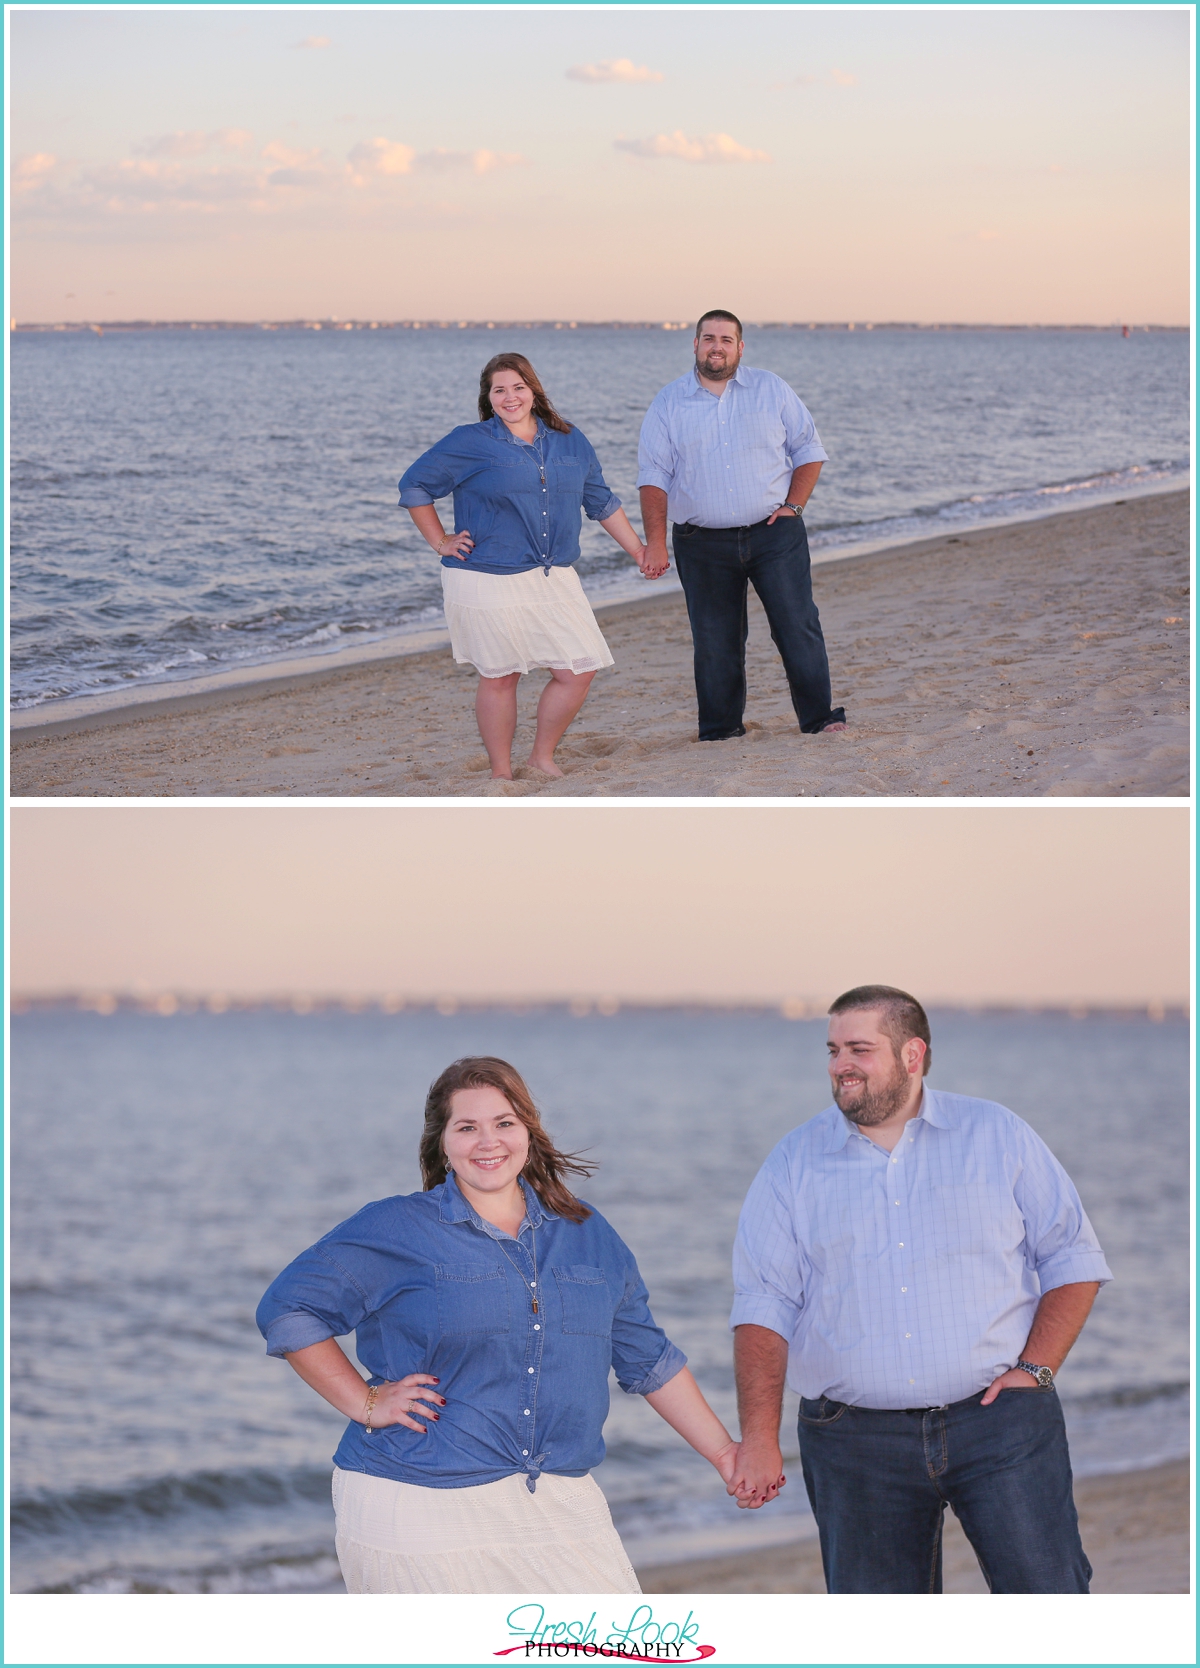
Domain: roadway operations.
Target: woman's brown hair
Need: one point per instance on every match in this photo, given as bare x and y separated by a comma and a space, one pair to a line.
541, 405
545, 1166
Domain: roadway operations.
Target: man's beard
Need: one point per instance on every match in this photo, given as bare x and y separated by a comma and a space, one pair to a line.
875, 1106
721, 374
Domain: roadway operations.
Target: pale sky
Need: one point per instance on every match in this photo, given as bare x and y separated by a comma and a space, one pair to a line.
967, 165
960, 905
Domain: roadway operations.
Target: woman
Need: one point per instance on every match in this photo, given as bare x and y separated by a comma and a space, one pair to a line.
487, 1310
513, 601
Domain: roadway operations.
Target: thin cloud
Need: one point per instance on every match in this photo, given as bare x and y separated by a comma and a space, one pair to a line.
380, 156
287, 157
32, 171
388, 156
481, 161
677, 146
313, 43
144, 185
613, 69
194, 143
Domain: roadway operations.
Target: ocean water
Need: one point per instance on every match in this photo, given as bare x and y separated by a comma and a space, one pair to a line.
185, 502
164, 1169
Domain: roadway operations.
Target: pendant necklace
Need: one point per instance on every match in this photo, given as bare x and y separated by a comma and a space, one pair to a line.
531, 1285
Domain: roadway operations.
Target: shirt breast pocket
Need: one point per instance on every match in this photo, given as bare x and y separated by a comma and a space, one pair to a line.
587, 1307
472, 1297
565, 475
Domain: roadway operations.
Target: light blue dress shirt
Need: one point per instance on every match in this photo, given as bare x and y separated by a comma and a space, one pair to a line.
726, 462
909, 1278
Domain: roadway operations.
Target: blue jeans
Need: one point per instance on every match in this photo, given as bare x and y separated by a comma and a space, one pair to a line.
715, 564
879, 1483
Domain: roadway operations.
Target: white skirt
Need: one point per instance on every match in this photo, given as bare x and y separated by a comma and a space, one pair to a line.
509, 622
493, 1538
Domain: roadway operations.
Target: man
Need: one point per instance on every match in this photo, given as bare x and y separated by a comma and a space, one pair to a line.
733, 456
919, 1264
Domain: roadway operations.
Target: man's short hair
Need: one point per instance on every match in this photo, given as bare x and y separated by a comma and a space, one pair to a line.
719, 313
901, 1016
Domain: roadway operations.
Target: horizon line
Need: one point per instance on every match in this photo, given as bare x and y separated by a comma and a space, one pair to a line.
167, 1004
333, 321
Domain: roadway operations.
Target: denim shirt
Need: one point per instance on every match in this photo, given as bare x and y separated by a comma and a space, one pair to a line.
519, 514
429, 1287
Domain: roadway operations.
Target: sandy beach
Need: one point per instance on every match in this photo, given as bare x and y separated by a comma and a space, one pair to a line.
1134, 1528
1038, 659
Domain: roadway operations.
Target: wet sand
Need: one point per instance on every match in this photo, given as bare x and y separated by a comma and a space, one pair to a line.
1134, 1528
1041, 659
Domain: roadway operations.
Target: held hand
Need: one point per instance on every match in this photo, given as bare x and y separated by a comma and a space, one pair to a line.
398, 1401
456, 544
653, 560
784, 511
1016, 1378
757, 1474
725, 1460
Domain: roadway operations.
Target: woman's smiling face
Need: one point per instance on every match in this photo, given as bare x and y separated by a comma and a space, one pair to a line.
485, 1143
512, 401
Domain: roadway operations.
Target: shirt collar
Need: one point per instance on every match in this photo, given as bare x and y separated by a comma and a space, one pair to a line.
503, 432
932, 1112
454, 1208
699, 388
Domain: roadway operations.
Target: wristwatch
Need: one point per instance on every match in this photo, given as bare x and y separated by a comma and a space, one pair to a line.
798, 508
1043, 1375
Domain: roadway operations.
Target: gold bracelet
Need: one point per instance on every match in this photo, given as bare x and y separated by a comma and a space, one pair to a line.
372, 1393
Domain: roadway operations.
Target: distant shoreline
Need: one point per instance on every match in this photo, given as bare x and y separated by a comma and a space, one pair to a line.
166, 1004
22, 327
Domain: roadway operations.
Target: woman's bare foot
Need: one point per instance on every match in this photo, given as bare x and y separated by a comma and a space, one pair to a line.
502, 776
543, 767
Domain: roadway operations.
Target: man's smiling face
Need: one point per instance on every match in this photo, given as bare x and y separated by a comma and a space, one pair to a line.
871, 1081
718, 349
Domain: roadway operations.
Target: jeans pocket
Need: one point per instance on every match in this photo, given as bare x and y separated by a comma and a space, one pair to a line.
820, 1412
683, 530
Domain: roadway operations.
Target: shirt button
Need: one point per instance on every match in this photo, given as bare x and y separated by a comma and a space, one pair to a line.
533, 1285
526, 1450
903, 1289
907, 1335
536, 1327
912, 1381
527, 1410
902, 1245
531, 1369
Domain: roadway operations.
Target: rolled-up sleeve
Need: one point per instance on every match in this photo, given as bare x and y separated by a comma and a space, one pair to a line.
766, 1259
434, 475
313, 1299
643, 1357
599, 501
802, 441
1060, 1242
657, 460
